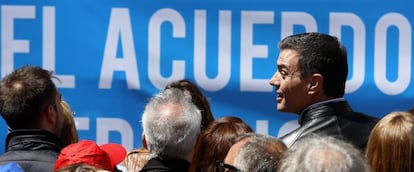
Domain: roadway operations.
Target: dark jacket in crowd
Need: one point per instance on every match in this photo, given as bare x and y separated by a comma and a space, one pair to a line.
335, 119
34, 150
158, 165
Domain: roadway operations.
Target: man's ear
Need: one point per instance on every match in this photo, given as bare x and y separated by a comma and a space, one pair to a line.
50, 115
315, 84
144, 141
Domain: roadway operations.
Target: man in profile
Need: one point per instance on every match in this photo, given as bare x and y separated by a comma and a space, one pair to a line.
310, 81
30, 105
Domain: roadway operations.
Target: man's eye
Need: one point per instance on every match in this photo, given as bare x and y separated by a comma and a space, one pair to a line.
283, 73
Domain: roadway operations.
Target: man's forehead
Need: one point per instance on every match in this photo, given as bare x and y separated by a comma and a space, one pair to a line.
288, 55
288, 58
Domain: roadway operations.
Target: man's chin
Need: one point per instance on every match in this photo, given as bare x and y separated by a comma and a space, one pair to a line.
281, 108
284, 109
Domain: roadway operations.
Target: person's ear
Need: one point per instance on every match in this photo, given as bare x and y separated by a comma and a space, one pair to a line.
144, 142
50, 115
315, 84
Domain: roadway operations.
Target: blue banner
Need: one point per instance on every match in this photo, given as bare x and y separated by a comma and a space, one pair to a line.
112, 56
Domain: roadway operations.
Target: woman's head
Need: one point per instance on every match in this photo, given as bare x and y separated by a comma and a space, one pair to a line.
390, 145
214, 143
69, 132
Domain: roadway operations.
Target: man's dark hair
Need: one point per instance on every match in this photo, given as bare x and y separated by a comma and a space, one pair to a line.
24, 94
323, 54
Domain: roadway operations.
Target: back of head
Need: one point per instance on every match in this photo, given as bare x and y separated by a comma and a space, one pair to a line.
81, 167
105, 156
323, 154
391, 143
24, 93
214, 143
136, 159
69, 132
171, 124
323, 54
198, 99
230, 119
260, 153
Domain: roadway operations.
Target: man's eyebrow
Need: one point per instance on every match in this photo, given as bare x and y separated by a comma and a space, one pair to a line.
282, 66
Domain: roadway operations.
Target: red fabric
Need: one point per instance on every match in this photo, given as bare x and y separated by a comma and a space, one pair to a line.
105, 157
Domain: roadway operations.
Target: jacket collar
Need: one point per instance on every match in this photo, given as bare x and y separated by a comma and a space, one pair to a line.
32, 139
326, 108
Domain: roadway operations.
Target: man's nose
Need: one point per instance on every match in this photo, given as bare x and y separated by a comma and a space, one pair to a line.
275, 81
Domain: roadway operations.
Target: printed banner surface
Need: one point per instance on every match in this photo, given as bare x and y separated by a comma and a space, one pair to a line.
112, 56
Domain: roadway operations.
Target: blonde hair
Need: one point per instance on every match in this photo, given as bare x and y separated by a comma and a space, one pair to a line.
136, 159
69, 134
390, 144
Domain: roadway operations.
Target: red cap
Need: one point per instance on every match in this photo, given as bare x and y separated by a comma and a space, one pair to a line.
105, 157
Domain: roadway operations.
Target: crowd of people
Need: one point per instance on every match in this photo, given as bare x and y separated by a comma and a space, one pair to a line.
180, 132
